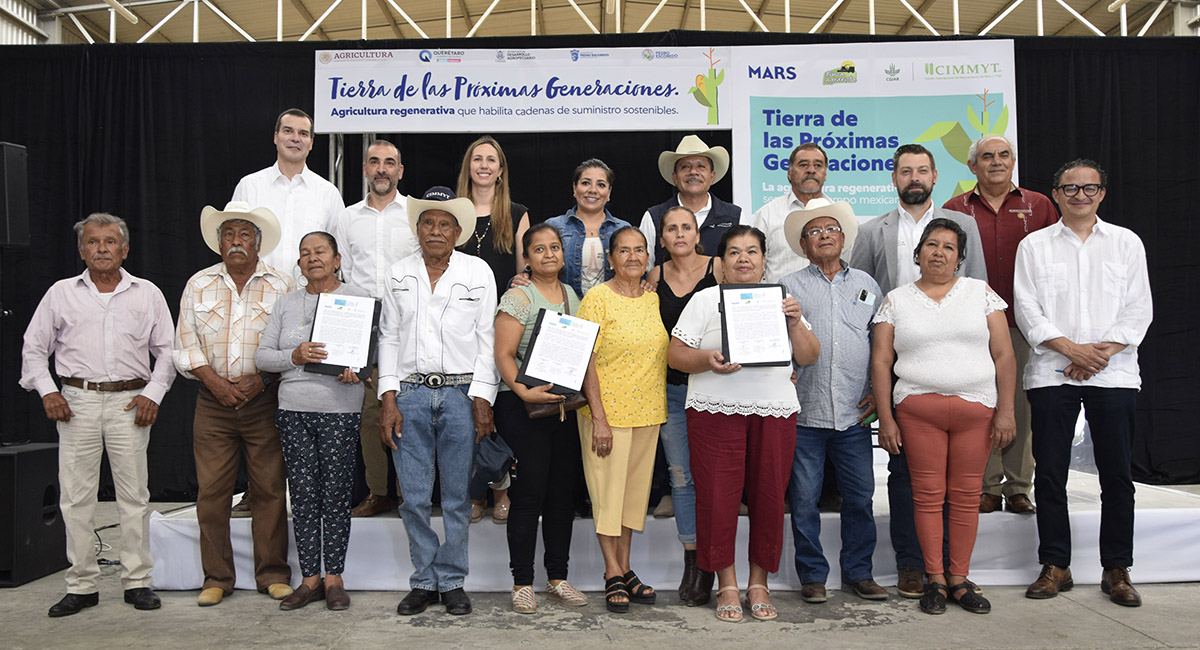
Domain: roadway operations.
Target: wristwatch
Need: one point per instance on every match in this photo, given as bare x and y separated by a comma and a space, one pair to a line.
266, 379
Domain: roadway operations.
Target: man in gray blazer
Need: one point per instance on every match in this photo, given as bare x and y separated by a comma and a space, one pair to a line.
884, 249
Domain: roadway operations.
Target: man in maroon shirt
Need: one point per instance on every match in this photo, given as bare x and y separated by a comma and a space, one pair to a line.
1005, 214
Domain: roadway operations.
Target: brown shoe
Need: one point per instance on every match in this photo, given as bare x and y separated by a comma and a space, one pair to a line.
1051, 581
1020, 504
302, 596
910, 583
868, 589
813, 592
990, 503
336, 598
373, 505
1116, 584
242, 507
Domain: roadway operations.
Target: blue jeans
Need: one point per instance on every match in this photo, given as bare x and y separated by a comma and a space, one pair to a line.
903, 525
438, 423
850, 453
675, 446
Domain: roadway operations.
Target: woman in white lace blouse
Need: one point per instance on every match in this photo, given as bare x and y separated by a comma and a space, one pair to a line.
953, 399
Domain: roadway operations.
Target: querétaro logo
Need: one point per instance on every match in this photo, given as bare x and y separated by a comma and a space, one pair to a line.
845, 74
425, 55
441, 56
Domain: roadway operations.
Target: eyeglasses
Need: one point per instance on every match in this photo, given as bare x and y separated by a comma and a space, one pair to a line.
1091, 189
816, 232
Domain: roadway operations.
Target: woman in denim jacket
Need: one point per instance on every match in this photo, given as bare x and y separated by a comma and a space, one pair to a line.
587, 227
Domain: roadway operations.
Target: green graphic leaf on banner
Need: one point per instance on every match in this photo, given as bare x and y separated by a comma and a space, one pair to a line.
1001, 124
978, 126
963, 187
936, 131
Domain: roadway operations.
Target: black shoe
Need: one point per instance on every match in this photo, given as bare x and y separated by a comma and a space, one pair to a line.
73, 603
456, 601
142, 598
934, 600
416, 602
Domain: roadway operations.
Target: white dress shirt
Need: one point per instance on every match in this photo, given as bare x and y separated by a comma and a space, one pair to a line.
906, 242
447, 329
781, 259
648, 229
303, 204
371, 242
1088, 291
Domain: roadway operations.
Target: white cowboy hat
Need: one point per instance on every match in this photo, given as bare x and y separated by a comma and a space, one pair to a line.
212, 218
442, 198
793, 226
692, 145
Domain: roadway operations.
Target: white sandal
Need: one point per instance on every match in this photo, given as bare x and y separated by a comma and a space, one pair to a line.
736, 609
755, 608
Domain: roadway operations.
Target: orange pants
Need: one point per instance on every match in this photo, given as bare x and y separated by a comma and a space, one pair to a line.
947, 443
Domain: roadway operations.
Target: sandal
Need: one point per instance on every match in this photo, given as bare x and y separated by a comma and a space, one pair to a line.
477, 511
969, 600
934, 600
761, 611
615, 587
639, 593
500, 513
567, 593
735, 609
523, 601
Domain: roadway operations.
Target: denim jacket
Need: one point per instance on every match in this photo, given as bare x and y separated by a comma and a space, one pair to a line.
572, 231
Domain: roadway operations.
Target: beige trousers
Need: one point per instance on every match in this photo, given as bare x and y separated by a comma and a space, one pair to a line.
1010, 470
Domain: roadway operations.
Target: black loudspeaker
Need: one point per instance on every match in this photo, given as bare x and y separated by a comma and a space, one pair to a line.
34, 543
14, 195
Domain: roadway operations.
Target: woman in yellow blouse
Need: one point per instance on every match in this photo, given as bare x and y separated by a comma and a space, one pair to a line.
626, 387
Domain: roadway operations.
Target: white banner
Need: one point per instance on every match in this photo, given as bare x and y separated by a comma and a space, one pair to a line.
860, 101
583, 89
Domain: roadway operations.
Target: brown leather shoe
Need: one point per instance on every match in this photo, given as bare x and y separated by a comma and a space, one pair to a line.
868, 589
373, 505
302, 596
910, 583
242, 507
1020, 504
1116, 584
336, 598
813, 592
1052, 580
990, 503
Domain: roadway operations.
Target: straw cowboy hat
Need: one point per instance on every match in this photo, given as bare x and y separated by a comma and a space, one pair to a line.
442, 198
692, 145
793, 226
212, 218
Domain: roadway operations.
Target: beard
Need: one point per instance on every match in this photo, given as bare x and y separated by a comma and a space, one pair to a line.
916, 195
387, 183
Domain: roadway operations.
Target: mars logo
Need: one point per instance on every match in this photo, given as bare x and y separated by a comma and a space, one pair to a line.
425, 56
326, 57
843, 75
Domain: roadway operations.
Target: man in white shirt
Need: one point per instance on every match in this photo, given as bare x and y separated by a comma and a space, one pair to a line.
807, 167
297, 196
885, 250
372, 235
437, 382
1082, 298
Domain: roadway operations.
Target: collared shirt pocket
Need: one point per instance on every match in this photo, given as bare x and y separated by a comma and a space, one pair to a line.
210, 318
1051, 279
135, 325
260, 314
1116, 279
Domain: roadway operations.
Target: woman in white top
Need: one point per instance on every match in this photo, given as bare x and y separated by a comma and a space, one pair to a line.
741, 428
953, 396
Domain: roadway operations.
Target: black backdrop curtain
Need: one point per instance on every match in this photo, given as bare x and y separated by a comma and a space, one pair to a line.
153, 133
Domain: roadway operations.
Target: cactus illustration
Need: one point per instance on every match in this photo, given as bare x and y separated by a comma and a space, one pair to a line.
955, 139
705, 90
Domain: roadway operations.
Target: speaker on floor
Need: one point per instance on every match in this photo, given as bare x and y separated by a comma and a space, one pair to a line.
34, 541
14, 195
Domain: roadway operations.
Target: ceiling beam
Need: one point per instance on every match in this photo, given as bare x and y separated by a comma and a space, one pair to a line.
687, 6
462, 6
308, 17
1084, 13
837, 15
391, 20
762, 9
912, 20
541, 17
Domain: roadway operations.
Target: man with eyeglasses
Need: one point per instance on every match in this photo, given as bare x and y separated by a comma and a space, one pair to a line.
1082, 297
1005, 214
806, 172
885, 251
835, 393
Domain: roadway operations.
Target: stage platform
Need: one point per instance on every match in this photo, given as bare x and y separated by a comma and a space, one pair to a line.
1165, 547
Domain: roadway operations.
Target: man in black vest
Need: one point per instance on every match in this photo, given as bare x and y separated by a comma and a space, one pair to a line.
692, 168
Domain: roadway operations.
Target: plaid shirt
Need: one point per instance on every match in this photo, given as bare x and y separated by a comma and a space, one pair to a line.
220, 328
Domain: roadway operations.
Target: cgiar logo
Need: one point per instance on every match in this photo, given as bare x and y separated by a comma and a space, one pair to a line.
845, 74
891, 73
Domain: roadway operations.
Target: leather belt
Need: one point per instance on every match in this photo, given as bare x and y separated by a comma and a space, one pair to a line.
105, 386
438, 379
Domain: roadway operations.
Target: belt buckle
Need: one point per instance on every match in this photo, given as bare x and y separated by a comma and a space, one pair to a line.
434, 380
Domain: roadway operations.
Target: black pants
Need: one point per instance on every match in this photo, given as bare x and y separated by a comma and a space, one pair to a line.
1109, 413
549, 467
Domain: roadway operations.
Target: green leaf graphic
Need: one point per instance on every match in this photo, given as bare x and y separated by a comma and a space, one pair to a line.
975, 120
1001, 124
936, 131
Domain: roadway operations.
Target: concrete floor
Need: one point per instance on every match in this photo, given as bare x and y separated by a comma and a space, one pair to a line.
1082, 618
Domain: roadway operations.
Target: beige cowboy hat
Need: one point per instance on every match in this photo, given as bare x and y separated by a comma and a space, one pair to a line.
442, 198
692, 145
212, 218
793, 226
